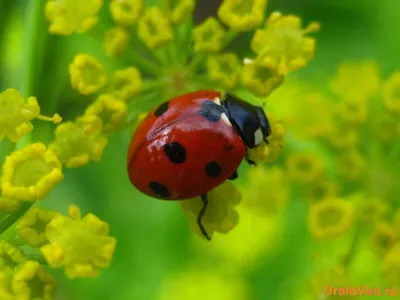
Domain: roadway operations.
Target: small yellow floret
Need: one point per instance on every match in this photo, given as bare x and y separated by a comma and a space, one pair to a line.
69, 16
30, 173
76, 143
16, 115
154, 28
177, 10
81, 245
87, 74
116, 41
31, 227
330, 218
126, 83
242, 15
126, 12
283, 44
208, 36
111, 110
224, 69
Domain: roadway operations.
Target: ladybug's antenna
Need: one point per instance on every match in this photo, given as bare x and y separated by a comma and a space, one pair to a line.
204, 198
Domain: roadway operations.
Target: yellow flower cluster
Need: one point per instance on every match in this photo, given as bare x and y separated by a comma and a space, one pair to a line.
81, 245
341, 156
29, 172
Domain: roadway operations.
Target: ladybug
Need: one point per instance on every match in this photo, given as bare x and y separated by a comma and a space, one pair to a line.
189, 145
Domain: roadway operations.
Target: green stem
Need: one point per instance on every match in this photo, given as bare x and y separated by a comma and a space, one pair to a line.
9, 148
11, 219
230, 36
34, 41
143, 63
353, 246
197, 62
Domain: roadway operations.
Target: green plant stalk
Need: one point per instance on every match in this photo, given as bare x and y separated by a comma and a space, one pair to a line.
33, 35
12, 218
34, 39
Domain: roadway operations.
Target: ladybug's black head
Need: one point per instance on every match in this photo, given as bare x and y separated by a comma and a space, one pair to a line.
250, 121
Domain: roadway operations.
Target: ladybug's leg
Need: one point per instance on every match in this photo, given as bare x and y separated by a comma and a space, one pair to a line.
233, 176
249, 161
204, 198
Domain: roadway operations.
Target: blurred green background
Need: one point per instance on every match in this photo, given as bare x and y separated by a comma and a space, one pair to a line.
155, 242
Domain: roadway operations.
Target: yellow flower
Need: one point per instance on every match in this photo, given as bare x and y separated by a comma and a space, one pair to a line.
353, 109
116, 41
31, 281
383, 238
30, 173
224, 69
242, 15
126, 12
76, 143
391, 93
320, 189
351, 164
112, 111
87, 74
220, 215
342, 137
391, 265
15, 115
304, 167
82, 245
260, 79
126, 83
10, 256
8, 205
69, 16
208, 36
356, 77
191, 283
177, 10
5, 285
330, 218
31, 227
270, 152
282, 45
154, 28
384, 127
255, 195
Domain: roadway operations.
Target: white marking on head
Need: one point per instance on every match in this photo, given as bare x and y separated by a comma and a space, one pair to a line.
225, 119
217, 101
258, 136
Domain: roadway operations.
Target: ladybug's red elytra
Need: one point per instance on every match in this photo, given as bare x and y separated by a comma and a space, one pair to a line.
189, 145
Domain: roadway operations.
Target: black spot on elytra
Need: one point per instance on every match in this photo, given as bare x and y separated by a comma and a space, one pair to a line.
161, 109
175, 152
159, 189
213, 169
211, 111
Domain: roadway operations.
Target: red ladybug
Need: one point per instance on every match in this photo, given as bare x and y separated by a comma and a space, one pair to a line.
192, 143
